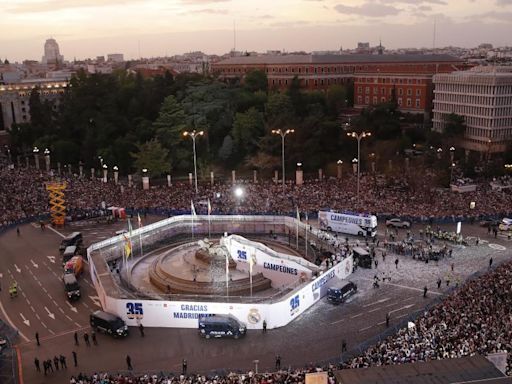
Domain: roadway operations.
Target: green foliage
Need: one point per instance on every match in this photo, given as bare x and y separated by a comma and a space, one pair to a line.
226, 150
336, 99
383, 120
454, 125
279, 110
247, 128
152, 156
256, 80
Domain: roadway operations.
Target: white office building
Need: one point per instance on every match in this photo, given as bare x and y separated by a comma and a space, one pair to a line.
483, 96
52, 53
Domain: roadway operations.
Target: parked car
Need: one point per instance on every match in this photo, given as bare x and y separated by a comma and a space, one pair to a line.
398, 223
505, 225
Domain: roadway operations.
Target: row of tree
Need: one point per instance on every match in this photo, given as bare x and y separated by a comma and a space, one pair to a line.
135, 122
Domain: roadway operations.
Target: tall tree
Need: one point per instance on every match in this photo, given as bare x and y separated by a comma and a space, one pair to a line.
247, 129
152, 156
256, 80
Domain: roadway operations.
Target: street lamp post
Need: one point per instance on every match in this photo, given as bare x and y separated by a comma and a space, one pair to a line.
193, 134
47, 159
105, 173
36, 157
452, 165
340, 169
452, 153
439, 152
283, 135
358, 137
116, 174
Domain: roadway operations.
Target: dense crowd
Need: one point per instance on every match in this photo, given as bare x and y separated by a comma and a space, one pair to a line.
474, 320
23, 196
289, 377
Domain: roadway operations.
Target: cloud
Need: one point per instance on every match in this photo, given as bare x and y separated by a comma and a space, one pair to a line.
492, 16
504, 2
417, 2
203, 1
368, 9
211, 11
59, 5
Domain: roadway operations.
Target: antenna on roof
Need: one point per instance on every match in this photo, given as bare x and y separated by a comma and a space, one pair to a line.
434, 36
234, 36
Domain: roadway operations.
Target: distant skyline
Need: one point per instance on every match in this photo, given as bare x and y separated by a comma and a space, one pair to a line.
89, 28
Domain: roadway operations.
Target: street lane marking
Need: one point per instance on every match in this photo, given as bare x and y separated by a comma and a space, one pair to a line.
373, 310
337, 321
6, 317
404, 307
365, 328
407, 287
69, 318
377, 302
359, 314
57, 232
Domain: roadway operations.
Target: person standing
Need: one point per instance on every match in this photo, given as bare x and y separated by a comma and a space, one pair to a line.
93, 336
18, 231
141, 330
56, 362
86, 339
49, 364
278, 363
63, 364
36, 363
75, 359
184, 367
490, 263
129, 362
425, 289
439, 283
76, 338
396, 263
387, 319
343, 346
37, 339
264, 326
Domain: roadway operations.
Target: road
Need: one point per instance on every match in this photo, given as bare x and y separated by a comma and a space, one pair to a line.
32, 259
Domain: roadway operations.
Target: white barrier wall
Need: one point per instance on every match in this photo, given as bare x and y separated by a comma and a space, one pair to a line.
181, 314
279, 268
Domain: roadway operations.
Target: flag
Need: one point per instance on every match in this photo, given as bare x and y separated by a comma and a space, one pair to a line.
209, 207
130, 229
298, 214
127, 246
139, 220
307, 218
192, 209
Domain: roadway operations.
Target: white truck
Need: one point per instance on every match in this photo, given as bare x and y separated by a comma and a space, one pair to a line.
358, 224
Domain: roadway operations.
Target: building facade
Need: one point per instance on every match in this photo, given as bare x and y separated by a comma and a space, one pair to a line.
483, 96
52, 54
14, 100
376, 78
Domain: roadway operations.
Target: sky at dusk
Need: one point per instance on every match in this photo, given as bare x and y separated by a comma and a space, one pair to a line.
88, 28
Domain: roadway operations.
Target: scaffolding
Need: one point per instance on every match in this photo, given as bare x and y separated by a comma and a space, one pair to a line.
57, 202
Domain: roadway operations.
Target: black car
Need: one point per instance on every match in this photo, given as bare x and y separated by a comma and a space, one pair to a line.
337, 295
108, 323
221, 326
73, 239
71, 286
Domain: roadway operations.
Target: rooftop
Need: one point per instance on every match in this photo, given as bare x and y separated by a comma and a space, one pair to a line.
334, 59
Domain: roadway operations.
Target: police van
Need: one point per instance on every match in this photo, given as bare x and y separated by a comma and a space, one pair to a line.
108, 323
221, 326
73, 239
337, 295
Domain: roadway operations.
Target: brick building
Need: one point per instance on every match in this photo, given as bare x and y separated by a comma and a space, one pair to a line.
376, 78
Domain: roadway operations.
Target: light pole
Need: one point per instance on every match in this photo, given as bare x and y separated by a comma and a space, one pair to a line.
47, 159
451, 172
283, 135
36, 157
340, 169
193, 135
358, 137
105, 172
439, 152
452, 153
116, 174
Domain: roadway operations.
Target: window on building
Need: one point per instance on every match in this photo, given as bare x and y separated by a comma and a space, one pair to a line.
417, 103
359, 89
409, 102
382, 99
375, 90
359, 99
383, 91
418, 92
400, 91
400, 101
375, 100
409, 92
367, 99
367, 90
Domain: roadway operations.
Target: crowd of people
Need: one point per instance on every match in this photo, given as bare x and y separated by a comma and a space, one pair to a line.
474, 320
23, 196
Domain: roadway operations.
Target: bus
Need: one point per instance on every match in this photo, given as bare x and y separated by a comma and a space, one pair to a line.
358, 224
